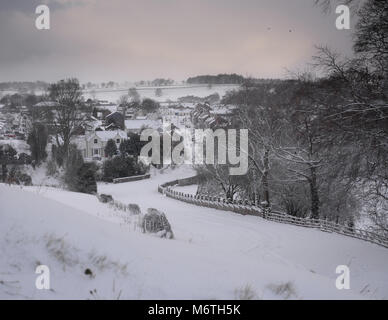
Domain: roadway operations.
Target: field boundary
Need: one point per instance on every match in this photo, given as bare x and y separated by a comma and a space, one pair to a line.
131, 178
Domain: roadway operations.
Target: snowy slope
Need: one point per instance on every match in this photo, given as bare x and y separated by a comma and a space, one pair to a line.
168, 93
214, 256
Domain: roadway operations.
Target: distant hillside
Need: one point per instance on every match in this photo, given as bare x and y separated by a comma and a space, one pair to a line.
218, 79
23, 86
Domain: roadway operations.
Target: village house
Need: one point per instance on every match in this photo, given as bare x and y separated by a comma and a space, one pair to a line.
115, 118
93, 146
206, 117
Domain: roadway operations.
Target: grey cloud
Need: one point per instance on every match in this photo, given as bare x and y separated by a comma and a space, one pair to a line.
28, 6
142, 39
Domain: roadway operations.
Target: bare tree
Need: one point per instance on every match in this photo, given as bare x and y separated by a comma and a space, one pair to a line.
260, 112
229, 184
134, 94
67, 115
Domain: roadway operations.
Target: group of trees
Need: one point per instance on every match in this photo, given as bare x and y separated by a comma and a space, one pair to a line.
133, 100
63, 119
20, 99
10, 157
212, 98
156, 82
79, 176
318, 147
123, 161
121, 166
37, 140
217, 79
23, 86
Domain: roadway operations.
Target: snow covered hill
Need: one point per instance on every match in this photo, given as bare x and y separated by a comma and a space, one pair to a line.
215, 254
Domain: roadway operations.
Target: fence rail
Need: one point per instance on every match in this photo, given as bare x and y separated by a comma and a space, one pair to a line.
132, 178
249, 208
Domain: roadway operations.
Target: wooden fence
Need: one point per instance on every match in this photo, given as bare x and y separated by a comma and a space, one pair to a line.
248, 208
132, 178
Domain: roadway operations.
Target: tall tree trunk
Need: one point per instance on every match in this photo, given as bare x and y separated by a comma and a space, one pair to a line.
314, 193
4, 172
265, 178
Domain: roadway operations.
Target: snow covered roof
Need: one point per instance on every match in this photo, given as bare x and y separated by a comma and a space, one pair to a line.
227, 109
94, 123
114, 113
107, 135
136, 124
188, 105
47, 104
204, 116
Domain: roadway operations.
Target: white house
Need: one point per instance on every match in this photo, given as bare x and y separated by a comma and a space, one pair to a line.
94, 147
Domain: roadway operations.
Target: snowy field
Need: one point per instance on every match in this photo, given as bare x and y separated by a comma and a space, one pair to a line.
168, 93
215, 254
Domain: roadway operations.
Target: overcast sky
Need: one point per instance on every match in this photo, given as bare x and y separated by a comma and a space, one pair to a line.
119, 40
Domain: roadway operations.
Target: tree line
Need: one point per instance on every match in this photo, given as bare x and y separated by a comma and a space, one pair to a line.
318, 147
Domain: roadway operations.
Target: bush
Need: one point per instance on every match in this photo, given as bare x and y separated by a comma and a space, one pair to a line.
294, 200
79, 176
105, 198
18, 177
155, 221
24, 158
120, 167
58, 154
111, 148
134, 209
37, 140
86, 179
7, 156
52, 168
73, 164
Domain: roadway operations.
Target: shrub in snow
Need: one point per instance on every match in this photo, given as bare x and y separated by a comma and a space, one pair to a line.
105, 198
89, 273
37, 140
121, 166
155, 221
245, 293
86, 179
294, 200
7, 156
79, 176
133, 208
73, 162
51, 168
285, 290
24, 158
18, 177
111, 148
59, 154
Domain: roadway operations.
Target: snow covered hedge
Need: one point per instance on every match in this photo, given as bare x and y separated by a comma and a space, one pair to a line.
155, 221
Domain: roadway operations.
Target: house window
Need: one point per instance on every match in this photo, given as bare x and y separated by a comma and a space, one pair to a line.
95, 151
95, 141
117, 140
